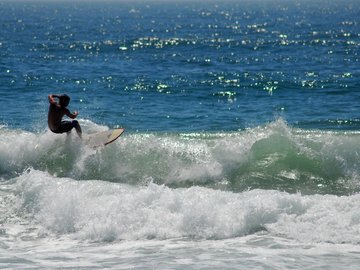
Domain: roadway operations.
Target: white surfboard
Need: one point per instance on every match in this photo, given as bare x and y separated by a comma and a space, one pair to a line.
103, 138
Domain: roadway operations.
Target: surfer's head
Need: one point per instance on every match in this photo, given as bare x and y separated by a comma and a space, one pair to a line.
64, 100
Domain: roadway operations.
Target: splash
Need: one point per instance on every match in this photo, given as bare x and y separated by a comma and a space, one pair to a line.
274, 156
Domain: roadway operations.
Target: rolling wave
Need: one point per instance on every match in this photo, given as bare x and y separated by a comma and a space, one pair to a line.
37, 204
274, 156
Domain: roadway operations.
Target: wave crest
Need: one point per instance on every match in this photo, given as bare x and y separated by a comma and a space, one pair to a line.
275, 156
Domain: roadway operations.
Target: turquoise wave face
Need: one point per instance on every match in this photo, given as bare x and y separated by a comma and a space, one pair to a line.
274, 156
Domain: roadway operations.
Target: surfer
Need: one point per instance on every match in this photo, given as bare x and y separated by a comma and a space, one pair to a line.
56, 112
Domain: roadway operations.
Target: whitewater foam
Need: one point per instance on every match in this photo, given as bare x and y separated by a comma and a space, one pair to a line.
275, 156
103, 211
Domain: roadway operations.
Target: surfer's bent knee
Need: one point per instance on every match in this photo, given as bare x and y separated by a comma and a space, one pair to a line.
75, 123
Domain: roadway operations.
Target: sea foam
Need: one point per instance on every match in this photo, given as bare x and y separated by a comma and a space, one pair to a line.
103, 211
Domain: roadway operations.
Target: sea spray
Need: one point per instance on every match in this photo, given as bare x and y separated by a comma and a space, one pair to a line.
274, 156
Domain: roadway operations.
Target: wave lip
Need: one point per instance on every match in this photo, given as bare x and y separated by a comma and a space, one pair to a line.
275, 157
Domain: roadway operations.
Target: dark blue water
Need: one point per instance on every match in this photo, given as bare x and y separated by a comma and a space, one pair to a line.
182, 66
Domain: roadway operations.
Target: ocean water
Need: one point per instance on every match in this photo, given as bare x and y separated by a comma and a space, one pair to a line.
241, 148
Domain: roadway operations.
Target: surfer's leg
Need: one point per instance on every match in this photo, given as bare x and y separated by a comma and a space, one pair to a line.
67, 126
77, 127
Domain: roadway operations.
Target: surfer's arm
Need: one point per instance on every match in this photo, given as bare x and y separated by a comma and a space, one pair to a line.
71, 115
52, 99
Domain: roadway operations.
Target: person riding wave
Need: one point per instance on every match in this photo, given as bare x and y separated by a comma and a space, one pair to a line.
56, 112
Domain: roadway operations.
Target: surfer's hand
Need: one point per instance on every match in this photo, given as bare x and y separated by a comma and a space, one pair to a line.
75, 113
